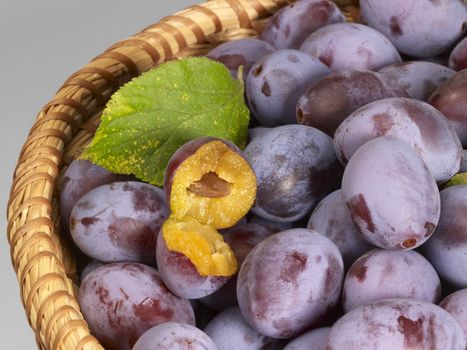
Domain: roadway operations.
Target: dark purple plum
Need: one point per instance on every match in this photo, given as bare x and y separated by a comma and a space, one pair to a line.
351, 46
455, 305
81, 177
230, 331
292, 24
242, 238
450, 98
276, 344
417, 123
463, 168
288, 282
243, 52
119, 222
276, 82
316, 339
392, 196
447, 248
181, 276
442, 59
458, 57
417, 28
331, 218
418, 78
121, 301
382, 274
397, 324
295, 166
174, 336
272, 225
328, 102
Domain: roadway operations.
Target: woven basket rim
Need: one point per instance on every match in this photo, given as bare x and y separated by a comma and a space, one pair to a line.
41, 258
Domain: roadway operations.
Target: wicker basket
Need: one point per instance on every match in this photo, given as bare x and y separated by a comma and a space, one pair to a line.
42, 259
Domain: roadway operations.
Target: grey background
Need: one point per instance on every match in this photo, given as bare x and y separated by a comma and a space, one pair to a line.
42, 42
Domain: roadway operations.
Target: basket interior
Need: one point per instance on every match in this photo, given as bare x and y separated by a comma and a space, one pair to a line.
45, 261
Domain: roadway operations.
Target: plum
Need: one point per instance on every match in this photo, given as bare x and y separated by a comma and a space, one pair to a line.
447, 248
316, 339
397, 324
91, 266
242, 238
295, 166
230, 331
276, 82
331, 217
382, 274
455, 304
121, 301
270, 224
458, 57
181, 276
243, 52
79, 178
173, 336
288, 282
292, 24
351, 46
450, 98
419, 79
421, 126
417, 28
119, 222
392, 196
463, 167
328, 102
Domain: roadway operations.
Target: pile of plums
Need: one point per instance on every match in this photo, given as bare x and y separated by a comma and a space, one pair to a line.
356, 240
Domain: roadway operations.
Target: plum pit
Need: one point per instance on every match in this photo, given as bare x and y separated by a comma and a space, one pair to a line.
211, 186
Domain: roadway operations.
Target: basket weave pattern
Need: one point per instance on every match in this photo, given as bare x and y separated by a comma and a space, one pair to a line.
42, 259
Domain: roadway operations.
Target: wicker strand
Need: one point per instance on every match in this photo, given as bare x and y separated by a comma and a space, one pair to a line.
40, 256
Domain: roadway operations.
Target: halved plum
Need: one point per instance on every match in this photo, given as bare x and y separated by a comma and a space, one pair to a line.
201, 244
180, 274
209, 180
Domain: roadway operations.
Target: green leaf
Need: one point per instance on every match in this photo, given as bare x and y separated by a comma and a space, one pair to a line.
150, 117
458, 179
